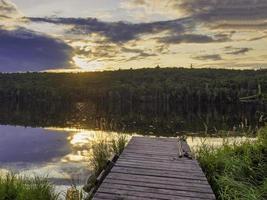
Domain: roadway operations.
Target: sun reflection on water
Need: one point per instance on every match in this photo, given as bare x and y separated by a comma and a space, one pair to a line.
80, 141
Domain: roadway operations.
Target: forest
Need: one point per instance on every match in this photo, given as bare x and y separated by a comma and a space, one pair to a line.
168, 86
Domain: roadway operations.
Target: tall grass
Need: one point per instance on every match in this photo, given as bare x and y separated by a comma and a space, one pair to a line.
237, 171
13, 187
102, 150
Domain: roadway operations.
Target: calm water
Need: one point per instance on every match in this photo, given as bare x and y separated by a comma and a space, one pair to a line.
62, 153
58, 154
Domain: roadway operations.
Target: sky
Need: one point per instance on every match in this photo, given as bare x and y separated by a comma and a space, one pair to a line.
97, 35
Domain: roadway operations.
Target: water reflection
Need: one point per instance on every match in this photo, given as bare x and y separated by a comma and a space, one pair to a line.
144, 118
60, 153
19, 144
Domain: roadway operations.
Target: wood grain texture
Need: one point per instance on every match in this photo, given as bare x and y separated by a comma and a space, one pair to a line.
150, 168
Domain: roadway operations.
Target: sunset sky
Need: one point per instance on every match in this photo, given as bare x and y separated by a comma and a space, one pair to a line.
96, 35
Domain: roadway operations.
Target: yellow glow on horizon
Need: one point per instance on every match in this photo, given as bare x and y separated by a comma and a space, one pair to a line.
86, 65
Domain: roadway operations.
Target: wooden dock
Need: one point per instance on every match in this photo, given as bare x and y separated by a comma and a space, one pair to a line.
155, 168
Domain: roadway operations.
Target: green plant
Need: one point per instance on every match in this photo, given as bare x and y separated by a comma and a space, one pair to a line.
101, 150
119, 144
14, 187
100, 154
237, 171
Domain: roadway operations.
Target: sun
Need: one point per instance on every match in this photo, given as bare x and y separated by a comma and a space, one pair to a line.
86, 65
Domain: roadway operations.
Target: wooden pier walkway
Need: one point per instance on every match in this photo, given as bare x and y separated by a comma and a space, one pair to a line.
155, 168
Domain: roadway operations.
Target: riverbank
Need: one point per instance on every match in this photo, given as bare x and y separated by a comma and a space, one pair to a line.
237, 170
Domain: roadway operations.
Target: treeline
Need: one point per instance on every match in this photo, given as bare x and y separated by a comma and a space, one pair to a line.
168, 87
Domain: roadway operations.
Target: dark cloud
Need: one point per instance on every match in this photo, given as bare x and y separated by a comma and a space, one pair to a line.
102, 52
225, 10
246, 25
236, 51
139, 54
108, 52
231, 14
116, 31
192, 38
24, 50
213, 57
132, 50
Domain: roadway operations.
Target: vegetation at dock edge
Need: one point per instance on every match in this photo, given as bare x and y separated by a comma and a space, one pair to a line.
102, 150
14, 187
237, 171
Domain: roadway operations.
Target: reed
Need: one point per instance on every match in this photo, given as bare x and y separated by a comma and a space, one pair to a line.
237, 171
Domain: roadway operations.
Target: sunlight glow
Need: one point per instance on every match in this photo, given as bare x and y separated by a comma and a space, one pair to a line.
81, 140
86, 65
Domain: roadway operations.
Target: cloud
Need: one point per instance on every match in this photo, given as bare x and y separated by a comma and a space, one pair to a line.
241, 25
137, 54
227, 13
8, 9
258, 38
192, 38
10, 16
236, 51
217, 14
115, 31
152, 10
225, 10
213, 57
24, 50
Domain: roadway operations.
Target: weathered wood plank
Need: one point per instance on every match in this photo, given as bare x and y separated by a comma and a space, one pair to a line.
160, 191
159, 165
126, 193
157, 160
161, 180
182, 186
167, 154
158, 173
100, 196
149, 167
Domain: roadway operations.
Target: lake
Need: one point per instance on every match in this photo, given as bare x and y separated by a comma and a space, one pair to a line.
55, 141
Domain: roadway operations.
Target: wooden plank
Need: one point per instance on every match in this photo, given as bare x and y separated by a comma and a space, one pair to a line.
158, 173
184, 187
158, 167
168, 163
144, 189
167, 154
158, 160
126, 193
161, 180
100, 196
150, 168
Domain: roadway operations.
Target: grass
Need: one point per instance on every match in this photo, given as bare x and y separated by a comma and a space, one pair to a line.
237, 171
102, 150
14, 187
